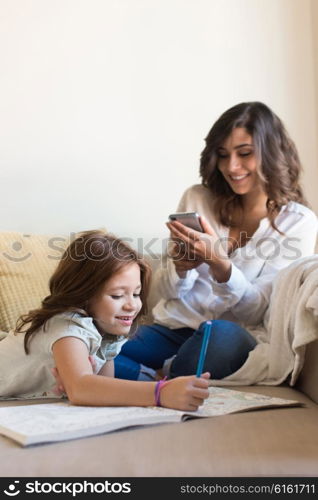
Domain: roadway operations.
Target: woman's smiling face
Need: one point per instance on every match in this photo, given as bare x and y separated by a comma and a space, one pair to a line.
238, 163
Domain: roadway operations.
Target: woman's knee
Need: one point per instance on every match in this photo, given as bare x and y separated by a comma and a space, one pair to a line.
227, 350
231, 336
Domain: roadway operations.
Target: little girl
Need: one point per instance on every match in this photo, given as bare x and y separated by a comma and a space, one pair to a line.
97, 294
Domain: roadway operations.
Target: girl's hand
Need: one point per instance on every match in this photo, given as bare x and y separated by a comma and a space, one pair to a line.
185, 393
59, 388
205, 247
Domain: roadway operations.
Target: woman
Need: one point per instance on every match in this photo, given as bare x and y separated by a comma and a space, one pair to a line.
255, 222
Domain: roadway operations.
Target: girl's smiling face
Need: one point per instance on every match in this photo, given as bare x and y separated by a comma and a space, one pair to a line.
118, 302
238, 163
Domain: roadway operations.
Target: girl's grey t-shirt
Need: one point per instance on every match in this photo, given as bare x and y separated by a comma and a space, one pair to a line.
29, 375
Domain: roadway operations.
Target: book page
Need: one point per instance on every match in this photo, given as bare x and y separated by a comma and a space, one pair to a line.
58, 421
224, 401
49, 422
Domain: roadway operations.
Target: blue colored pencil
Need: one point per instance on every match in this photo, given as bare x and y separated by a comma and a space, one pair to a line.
204, 346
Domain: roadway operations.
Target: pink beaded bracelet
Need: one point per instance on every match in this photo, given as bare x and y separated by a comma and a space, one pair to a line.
159, 385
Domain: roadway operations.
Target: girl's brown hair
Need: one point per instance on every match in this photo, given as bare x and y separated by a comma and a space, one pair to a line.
279, 164
90, 260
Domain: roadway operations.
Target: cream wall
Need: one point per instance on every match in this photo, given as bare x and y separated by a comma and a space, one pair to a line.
105, 103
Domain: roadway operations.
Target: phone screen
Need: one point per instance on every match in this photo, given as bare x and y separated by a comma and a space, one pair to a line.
189, 219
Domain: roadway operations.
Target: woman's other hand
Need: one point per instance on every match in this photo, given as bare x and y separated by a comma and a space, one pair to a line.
182, 259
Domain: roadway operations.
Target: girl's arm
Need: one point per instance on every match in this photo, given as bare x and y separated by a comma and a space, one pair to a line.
108, 369
84, 388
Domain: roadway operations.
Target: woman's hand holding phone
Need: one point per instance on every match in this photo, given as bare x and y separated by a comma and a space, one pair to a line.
183, 259
203, 247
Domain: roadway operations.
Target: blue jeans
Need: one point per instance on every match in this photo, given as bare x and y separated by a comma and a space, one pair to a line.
227, 350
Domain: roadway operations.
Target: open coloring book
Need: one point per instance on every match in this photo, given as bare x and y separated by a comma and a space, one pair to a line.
51, 422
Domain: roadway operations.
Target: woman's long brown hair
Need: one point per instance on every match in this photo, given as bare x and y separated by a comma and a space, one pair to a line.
279, 164
89, 261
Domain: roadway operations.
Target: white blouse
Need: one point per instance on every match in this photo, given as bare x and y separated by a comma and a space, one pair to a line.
245, 296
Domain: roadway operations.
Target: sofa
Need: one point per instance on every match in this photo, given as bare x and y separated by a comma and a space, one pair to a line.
280, 442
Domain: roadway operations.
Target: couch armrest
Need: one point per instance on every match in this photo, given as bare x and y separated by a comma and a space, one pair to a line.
308, 378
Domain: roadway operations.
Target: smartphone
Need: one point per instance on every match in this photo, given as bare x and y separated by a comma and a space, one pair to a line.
189, 219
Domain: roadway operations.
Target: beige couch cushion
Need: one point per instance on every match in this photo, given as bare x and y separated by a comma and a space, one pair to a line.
26, 263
